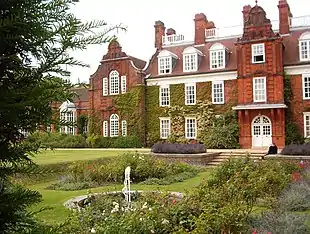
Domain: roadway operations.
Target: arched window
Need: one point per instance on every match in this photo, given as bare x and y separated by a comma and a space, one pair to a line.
304, 46
114, 83
67, 118
217, 56
114, 125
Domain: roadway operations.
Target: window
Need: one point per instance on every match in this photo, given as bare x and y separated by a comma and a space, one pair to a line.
258, 53
114, 125
190, 128
123, 84
217, 56
164, 128
304, 47
190, 62
124, 128
259, 89
165, 65
105, 128
166, 59
68, 118
114, 83
306, 86
190, 94
105, 87
164, 96
307, 124
218, 92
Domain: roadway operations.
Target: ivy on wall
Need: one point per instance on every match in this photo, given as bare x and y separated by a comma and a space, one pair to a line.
204, 111
94, 123
132, 109
292, 134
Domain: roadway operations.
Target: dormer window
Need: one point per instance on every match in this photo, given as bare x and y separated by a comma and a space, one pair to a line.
191, 59
218, 55
166, 62
258, 53
304, 47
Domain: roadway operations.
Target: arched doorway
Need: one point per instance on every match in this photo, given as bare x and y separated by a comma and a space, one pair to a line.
261, 131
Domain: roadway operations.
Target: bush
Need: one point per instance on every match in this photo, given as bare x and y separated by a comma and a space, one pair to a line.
295, 149
279, 222
292, 134
58, 140
296, 197
170, 148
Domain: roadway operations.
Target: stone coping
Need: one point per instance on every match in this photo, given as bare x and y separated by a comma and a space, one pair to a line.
201, 155
72, 203
305, 157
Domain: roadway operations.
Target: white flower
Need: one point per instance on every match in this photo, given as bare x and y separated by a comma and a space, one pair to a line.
141, 219
144, 205
115, 204
93, 230
152, 231
165, 221
150, 208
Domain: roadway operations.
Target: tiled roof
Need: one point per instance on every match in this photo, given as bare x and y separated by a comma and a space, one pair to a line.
82, 94
139, 63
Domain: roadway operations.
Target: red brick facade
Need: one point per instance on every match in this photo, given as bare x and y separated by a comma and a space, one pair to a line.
251, 68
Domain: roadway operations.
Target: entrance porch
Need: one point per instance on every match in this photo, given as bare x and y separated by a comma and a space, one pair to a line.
260, 125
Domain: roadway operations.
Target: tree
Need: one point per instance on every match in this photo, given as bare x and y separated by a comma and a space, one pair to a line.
37, 37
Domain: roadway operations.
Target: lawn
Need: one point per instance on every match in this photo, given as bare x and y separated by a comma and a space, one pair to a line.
55, 199
70, 155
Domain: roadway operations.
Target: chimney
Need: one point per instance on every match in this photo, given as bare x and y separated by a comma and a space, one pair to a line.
159, 33
200, 28
285, 16
246, 11
170, 31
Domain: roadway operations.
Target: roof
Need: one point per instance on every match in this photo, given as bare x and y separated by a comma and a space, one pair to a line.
82, 94
204, 66
139, 63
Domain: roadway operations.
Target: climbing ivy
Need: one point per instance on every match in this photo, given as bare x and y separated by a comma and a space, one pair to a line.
292, 133
131, 107
204, 111
94, 123
82, 123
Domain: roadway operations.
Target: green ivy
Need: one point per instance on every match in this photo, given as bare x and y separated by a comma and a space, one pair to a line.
81, 123
204, 111
292, 134
131, 106
94, 123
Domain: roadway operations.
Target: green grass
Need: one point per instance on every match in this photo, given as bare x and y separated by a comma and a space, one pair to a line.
58, 156
55, 199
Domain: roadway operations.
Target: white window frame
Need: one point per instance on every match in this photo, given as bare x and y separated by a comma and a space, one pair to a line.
215, 99
304, 86
105, 126
164, 64
164, 134
105, 86
187, 135
307, 41
123, 84
124, 128
187, 99
68, 116
160, 95
257, 51
114, 125
114, 82
254, 90
190, 62
306, 114
215, 59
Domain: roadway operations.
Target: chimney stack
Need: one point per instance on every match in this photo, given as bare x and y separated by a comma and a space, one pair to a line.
246, 11
159, 33
285, 16
200, 28
170, 31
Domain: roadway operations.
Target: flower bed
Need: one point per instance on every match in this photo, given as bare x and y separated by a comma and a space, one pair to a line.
83, 174
174, 148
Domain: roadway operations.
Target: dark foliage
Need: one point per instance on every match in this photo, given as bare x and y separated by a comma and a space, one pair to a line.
295, 149
171, 148
82, 124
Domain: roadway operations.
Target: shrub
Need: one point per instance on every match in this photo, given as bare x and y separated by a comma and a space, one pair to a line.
292, 134
279, 222
171, 148
295, 149
296, 197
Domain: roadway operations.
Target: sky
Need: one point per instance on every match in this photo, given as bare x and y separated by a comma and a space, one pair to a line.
139, 17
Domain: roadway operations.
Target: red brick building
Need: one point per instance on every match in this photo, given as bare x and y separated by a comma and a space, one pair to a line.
252, 61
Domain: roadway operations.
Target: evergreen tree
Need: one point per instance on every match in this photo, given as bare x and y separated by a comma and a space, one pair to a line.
36, 38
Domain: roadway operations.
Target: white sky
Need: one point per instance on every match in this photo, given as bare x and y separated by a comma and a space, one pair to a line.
140, 15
